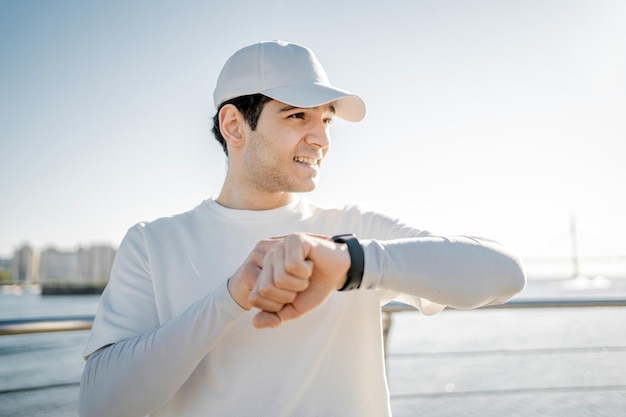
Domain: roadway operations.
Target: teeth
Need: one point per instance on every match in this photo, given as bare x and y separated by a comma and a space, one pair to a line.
305, 160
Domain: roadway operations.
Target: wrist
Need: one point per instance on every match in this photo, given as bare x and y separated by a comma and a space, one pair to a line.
354, 276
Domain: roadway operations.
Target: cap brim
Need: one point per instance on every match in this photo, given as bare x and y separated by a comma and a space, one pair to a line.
348, 106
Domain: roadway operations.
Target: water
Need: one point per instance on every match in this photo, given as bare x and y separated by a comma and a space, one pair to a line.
39, 373
28, 305
38, 360
508, 362
529, 362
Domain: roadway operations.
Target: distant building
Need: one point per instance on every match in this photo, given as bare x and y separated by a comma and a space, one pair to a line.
84, 265
23, 266
56, 265
95, 263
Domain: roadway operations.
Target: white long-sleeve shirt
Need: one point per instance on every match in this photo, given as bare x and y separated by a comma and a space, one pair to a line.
177, 344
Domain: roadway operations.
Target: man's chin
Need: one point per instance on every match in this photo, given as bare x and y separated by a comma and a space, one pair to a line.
312, 186
305, 189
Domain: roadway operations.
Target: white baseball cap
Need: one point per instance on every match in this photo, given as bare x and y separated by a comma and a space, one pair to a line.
285, 72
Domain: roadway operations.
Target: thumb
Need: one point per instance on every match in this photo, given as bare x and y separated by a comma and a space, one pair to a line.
265, 319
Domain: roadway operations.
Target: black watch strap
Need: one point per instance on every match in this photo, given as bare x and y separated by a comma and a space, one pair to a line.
357, 261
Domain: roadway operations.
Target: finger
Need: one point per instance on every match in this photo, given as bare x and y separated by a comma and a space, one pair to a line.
270, 319
296, 249
276, 282
305, 302
292, 282
283, 268
261, 249
290, 272
265, 295
271, 300
265, 304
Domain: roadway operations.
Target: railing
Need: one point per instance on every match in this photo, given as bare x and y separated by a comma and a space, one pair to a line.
77, 323
44, 325
74, 323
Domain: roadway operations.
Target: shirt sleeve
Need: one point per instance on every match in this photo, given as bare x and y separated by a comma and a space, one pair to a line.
434, 272
128, 348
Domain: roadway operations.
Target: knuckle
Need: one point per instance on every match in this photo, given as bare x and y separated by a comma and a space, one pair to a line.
296, 236
280, 281
291, 298
262, 247
291, 265
297, 268
304, 284
264, 291
257, 256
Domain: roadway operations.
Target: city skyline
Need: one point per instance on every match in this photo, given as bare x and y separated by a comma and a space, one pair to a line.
84, 264
70, 269
497, 119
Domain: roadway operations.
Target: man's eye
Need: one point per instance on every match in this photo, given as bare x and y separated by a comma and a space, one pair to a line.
297, 116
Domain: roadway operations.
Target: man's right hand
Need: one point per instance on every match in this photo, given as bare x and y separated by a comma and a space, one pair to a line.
298, 274
240, 285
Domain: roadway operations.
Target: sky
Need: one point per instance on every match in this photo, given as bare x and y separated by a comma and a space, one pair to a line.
503, 119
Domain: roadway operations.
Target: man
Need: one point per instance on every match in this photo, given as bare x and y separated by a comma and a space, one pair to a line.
245, 305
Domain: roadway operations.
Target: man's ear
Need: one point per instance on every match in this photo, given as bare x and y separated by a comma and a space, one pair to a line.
232, 126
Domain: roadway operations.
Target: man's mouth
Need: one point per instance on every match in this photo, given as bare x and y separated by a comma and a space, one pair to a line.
312, 162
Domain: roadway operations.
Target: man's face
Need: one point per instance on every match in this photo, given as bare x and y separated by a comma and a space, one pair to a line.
285, 151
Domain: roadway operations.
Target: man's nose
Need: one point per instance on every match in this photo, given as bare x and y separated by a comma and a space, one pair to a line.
319, 135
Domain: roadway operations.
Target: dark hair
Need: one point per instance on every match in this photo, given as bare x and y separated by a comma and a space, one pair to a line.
249, 106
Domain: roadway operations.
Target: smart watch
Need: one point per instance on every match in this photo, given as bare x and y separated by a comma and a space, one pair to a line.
357, 261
